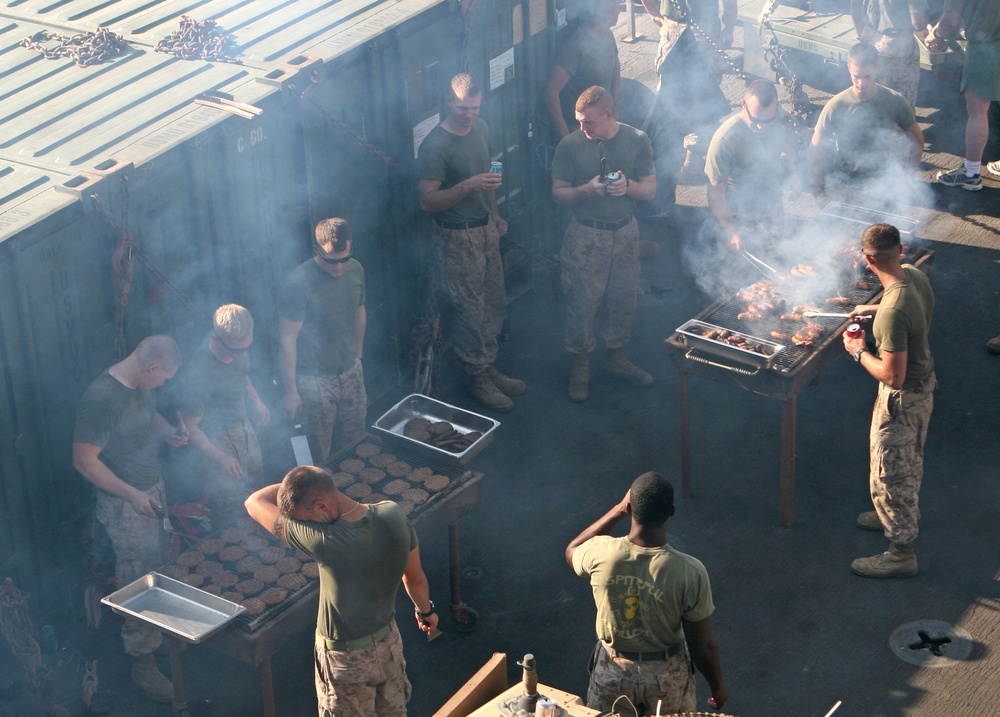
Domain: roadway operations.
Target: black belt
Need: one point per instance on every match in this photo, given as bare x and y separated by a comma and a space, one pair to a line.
645, 656
606, 226
454, 226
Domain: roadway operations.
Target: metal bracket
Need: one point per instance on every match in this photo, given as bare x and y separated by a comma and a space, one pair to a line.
735, 369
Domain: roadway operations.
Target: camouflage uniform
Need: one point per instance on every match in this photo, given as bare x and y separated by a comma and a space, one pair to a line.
600, 273
470, 272
645, 683
898, 432
363, 683
333, 405
140, 546
227, 493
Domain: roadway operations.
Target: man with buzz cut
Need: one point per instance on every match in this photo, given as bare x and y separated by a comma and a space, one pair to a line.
653, 608
363, 552
865, 130
903, 366
458, 190
322, 321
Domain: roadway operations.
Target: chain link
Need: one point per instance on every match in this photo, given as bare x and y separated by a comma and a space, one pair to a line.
200, 40
85, 48
17, 629
703, 36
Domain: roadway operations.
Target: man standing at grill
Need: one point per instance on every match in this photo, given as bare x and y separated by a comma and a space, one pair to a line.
458, 190
322, 314
600, 250
903, 365
115, 447
747, 163
363, 552
653, 608
215, 390
866, 131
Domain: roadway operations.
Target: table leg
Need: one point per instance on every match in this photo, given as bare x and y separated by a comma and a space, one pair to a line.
787, 504
464, 616
267, 686
177, 676
686, 487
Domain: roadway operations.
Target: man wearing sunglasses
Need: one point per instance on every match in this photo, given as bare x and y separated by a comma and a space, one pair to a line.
747, 163
322, 314
220, 409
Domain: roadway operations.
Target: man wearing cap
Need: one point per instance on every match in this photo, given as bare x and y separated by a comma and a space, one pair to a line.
321, 309
116, 448
653, 608
363, 552
747, 163
458, 190
903, 366
600, 249
215, 391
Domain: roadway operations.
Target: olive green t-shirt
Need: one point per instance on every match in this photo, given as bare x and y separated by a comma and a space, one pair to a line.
578, 160
119, 420
360, 567
327, 306
903, 321
212, 390
643, 594
451, 158
980, 18
749, 163
590, 61
860, 126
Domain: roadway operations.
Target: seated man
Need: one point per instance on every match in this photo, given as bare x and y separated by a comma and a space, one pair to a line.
866, 130
747, 163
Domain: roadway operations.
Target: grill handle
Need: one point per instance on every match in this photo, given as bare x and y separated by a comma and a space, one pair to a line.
735, 369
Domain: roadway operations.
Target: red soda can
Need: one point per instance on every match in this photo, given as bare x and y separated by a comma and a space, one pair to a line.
854, 331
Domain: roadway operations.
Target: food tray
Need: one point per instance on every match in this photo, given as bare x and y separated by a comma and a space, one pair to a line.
391, 424
692, 334
173, 607
866, 217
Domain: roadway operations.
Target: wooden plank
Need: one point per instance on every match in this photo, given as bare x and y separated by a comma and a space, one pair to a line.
489, 682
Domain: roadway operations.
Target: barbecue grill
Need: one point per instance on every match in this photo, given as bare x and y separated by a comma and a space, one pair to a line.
253, 639
783, 378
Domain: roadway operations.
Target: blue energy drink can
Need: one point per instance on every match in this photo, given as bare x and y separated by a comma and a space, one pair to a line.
614, 177
496, 167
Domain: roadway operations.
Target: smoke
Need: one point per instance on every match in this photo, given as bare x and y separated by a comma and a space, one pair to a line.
826, 234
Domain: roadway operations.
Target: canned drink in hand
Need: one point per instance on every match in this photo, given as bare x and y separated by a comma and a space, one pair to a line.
614, 177
546, 708
496, 167
854, 331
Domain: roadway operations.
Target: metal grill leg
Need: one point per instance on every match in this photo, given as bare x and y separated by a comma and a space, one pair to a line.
788, 411
465, 617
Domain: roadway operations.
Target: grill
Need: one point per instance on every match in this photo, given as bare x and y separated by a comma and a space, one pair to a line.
791, 371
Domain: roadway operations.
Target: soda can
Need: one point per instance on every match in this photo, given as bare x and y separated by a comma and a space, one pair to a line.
854, 331
614, 177
546, 708
496, 167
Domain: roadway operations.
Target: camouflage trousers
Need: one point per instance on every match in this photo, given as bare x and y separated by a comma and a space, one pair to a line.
896, 447
470, 277
898, 61
334, 409
644, 683
140, 545
225, 492
370, 682
600, 281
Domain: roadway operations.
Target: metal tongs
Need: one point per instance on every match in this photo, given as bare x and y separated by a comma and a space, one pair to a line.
815, 314
223, 102
769, 271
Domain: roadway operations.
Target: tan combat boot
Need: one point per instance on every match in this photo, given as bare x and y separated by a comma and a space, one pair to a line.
621, 368
483, 390
899, 561
508, 385
579, 379
147, 675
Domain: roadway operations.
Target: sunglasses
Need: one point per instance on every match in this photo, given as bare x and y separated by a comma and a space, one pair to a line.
757, 120
329, 260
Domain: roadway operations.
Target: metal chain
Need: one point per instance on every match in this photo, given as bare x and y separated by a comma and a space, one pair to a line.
468, 8
200, 40
17, 629
85, 48
357, 137
703, 36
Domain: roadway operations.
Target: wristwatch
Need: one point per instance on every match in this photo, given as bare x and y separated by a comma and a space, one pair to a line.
424, 614
857, 354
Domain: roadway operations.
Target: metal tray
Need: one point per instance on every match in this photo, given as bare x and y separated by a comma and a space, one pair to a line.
692, 334
865, 217
391, 424
173, 607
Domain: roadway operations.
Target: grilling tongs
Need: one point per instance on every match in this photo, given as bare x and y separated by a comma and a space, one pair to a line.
769, 271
